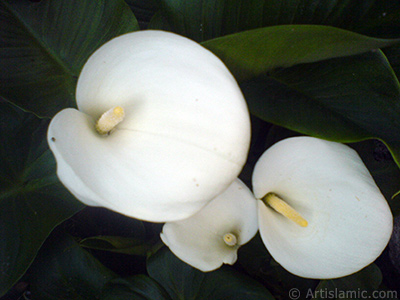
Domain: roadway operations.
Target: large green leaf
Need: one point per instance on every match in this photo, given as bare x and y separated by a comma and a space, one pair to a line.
139, 287
375, 17
44, 45
143, 10
99, 221
259, 264
198, 20
118, 244
64, 271
360, 285
111, 236
345, 99
184, 282
255, 52
393, 55
206, 19
32, 200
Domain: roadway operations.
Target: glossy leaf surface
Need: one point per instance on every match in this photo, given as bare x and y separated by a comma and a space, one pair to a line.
63, 270
44, 46
184, 282
359, 285
207, 19
255, 52
344, 99
139, 287
117, 244
32, 200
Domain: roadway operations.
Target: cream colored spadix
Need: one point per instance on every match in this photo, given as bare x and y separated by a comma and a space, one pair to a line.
349, 220
176, 126
212, 237
284, 209
109, 120
230, 239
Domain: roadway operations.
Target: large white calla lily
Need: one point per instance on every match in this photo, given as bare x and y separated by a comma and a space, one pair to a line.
162, 128
321, 213
212, 237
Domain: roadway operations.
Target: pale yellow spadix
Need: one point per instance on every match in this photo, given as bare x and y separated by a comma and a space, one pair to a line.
284, 209
230, 239
109, 120
180, 128
349, 220
213, 236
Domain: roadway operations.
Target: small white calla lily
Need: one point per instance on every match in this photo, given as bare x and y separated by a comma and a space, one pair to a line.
162, 128
321, 214
212, 237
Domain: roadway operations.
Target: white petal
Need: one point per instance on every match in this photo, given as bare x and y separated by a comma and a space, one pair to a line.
185, 135
198, 240
136, 176
349, 220
169, 86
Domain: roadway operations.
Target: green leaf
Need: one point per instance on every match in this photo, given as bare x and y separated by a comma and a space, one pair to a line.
207, 19
345, 99
32, 200
393, 55
357, 286
184, 282
99, 221
375, 17
255, 52
258, 263
143, 11
44, 46
118, 244
63, 270
253, 256
139, 287
198, 20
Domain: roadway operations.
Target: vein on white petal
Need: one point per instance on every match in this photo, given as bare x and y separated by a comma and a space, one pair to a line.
222, 155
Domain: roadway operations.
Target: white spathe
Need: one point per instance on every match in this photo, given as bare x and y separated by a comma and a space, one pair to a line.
349, 220
184, 137
199, 239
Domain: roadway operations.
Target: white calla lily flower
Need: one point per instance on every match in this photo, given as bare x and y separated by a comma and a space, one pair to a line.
212, 237
162, 128
321, 214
